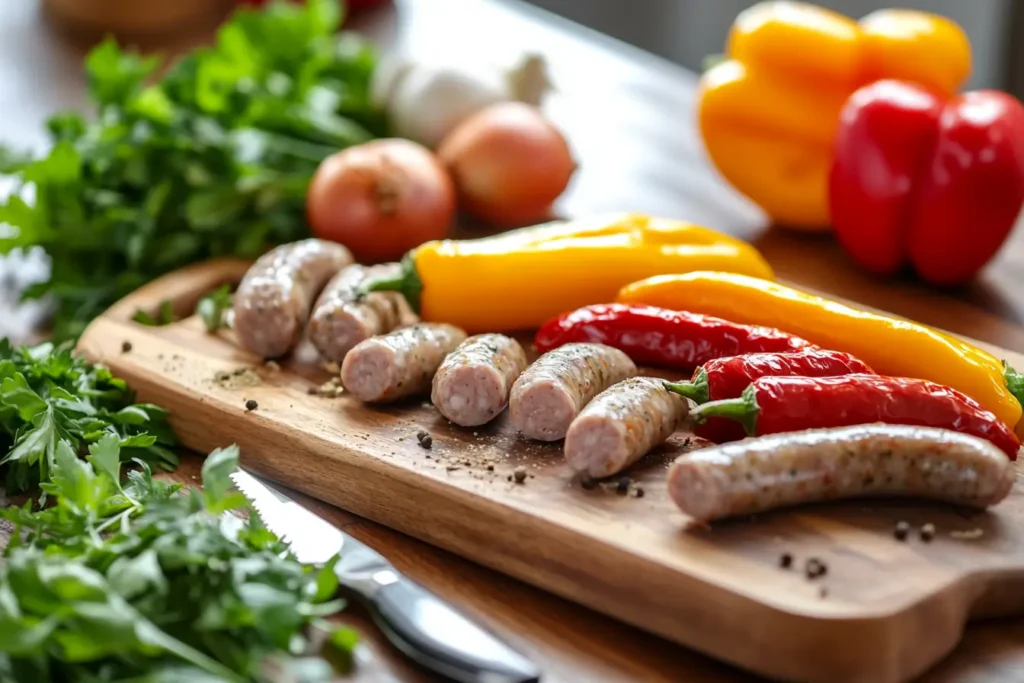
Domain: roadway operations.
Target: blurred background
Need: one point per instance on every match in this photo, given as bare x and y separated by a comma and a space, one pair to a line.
685, 31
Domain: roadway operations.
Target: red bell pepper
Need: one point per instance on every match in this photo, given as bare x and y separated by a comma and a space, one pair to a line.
924, 181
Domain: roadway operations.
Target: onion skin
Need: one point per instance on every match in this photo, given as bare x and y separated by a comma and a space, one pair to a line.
509, 164
381, 199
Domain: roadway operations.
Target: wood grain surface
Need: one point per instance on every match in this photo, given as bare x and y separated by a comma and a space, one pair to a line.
720, 590
629, 118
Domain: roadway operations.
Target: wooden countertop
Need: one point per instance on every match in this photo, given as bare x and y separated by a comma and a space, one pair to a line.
629, 117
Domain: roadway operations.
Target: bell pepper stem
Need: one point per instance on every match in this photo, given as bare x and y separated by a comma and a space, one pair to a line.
1014, 382
696, 389
743, 410
407, 282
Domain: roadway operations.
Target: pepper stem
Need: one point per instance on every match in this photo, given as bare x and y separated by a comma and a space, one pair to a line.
696, 389
743, 410
1014, 382
407, 282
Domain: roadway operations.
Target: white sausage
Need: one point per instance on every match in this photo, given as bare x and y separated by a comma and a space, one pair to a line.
755, 475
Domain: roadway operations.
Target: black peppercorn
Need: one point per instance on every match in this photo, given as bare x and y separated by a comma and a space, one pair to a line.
815, 568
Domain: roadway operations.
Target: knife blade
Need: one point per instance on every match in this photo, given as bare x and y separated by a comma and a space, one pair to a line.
417, 622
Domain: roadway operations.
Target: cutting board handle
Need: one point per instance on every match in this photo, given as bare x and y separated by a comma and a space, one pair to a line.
182, 288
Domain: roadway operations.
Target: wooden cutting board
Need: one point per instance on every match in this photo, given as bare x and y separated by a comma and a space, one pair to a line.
885, 610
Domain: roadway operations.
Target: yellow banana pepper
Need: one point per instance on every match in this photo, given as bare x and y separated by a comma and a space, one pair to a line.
768, 113
520, 279
891, 346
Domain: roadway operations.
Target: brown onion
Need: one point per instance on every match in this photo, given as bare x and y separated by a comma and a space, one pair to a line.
381, 199
509, 163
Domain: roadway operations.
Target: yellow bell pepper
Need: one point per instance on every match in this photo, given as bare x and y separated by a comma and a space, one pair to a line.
520, 279
891, 346
768, 113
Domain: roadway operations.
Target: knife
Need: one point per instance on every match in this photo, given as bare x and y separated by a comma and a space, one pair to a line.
417, 622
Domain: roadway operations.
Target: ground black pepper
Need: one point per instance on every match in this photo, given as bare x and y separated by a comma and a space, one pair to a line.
815, 568
927, 532
126, 346
520, 474
622, 486
251, 405
786, 561
901, 530
425, 440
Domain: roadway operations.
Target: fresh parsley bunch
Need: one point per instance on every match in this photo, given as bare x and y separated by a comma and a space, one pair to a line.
212, 158
139, 581
53, 401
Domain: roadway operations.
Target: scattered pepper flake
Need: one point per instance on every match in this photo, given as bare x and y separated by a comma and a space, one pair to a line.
520, 474
251, 405
901, 530
814, 568
126, 346
622, 485
785, 560
927, 532
425, 440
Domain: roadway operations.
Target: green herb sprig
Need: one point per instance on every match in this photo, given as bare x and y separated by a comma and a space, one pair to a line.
52, 401
213, 308
211, 159
142, 581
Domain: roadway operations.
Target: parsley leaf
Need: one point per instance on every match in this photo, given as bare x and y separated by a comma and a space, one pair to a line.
213, 308
212, 158
54, 405
135, 581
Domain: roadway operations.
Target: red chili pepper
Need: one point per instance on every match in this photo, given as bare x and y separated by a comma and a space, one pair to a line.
722, 378
921, 180
771, 405
657, 336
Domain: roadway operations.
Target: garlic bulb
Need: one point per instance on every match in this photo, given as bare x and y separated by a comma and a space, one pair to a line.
424, 102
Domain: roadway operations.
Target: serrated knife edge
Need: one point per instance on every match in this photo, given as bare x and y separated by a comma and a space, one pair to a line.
312, 539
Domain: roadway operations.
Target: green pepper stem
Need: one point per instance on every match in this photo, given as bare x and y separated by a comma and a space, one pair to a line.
696, 389
1014, 382
407, 282
743, 410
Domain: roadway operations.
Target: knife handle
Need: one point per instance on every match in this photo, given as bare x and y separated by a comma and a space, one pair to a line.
432, 633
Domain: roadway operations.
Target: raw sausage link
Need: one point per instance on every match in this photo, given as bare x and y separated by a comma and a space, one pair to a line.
472, 386
622, 424
793, 468
398, 364
343, 316
273, 300
550, 394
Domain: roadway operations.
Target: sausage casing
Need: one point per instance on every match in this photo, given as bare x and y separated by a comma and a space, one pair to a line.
780, 470
398, 364
622, 424
472, 385
549, 395
343, 316
272, 303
